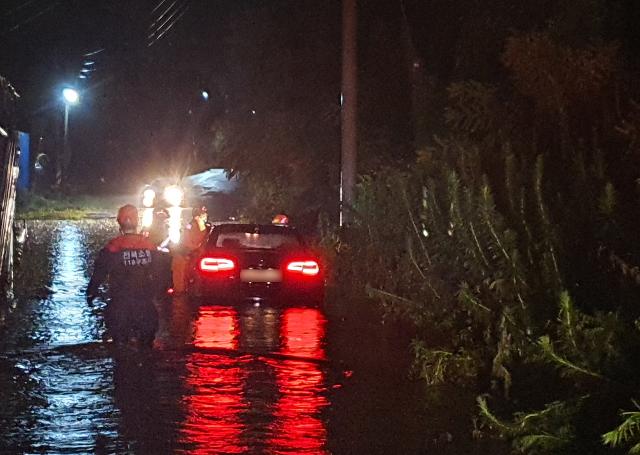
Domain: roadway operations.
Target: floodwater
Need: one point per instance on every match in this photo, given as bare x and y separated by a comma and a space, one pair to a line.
220, 379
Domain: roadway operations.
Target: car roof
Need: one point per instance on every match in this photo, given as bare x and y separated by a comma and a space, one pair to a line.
254, 227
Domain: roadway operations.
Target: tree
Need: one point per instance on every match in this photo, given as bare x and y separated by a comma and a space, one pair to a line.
279, 128
514, 247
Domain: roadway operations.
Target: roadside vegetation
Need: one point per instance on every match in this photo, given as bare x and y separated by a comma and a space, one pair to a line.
511, 244
504, 230
33, 206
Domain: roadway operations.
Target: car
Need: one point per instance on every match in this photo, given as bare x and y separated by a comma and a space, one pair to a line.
241, 261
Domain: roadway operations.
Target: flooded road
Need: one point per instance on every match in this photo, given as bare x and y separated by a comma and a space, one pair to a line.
220, 380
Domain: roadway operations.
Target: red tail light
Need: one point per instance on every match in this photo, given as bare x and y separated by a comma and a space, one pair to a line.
310, 268
216, 264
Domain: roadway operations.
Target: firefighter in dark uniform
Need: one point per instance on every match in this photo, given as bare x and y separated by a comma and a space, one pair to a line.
134, 268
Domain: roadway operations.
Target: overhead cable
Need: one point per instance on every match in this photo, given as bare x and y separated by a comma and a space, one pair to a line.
18, 8
32, 18
168, 23
159, 18
158, 6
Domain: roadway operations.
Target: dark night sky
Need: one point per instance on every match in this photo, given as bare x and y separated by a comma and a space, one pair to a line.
134, 117
135, 104
137, 100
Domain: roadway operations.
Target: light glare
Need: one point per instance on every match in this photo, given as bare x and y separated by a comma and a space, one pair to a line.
148, 196
147, 218
70, 96
173, 194
175, 224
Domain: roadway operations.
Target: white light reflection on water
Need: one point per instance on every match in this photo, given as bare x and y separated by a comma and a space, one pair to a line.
175, 224
147, 217
79, 410
75, 385
69, 319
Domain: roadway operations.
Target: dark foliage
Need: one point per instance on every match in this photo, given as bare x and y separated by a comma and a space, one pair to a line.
510, 241
511, 244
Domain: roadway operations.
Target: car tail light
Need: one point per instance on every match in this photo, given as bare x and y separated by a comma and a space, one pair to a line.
216, 264
310, 268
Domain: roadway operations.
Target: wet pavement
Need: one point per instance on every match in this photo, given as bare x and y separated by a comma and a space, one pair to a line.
220, 379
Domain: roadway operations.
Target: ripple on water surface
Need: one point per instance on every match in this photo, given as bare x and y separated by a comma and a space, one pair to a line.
231, 380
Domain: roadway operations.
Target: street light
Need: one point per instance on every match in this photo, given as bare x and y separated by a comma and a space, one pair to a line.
71, 97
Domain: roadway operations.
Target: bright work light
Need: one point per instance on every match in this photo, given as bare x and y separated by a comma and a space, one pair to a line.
148, 196
173, 194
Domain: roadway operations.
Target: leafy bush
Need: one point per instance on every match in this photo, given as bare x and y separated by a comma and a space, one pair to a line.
511, 246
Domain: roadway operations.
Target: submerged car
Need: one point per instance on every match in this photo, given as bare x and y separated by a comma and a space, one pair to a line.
256, 261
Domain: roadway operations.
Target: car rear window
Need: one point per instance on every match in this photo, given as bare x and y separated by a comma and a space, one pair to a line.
254, 237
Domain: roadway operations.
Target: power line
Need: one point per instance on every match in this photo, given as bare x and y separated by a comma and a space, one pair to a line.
163, 28
158, 27
18, 8
173, 23
158, 6
32, 18
162, 15
89, 54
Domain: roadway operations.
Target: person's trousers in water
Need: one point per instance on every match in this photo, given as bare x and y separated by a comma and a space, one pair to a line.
131, 318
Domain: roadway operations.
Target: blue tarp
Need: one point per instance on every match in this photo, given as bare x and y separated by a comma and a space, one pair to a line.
24, 177
210, 181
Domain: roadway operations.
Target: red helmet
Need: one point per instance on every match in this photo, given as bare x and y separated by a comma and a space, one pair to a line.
128, 216
280, 218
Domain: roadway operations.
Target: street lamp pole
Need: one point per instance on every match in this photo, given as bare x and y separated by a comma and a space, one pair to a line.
65, 147
70, 96
349, 110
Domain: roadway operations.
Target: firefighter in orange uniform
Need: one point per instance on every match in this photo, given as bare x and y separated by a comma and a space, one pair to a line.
281, 219
134, 269
194, 234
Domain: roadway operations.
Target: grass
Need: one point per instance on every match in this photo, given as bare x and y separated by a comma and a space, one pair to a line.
32, 206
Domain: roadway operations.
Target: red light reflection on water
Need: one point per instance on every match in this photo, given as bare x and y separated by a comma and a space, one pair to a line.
301, 384
217, 407
302, 333
217, 327
215, 401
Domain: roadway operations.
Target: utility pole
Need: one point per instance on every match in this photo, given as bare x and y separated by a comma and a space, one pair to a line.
349, 101
70, 97
61, 161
